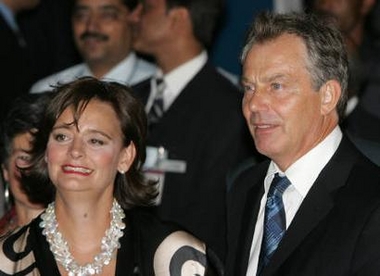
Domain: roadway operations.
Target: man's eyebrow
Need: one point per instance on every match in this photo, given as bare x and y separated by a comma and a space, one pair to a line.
275, 77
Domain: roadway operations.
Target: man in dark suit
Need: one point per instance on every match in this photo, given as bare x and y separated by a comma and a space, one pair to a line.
201, 131
15, 77
314, 207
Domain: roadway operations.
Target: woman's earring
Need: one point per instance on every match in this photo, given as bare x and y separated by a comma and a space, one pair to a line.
7, 196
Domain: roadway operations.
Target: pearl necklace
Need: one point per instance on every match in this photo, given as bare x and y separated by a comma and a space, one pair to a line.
59, 246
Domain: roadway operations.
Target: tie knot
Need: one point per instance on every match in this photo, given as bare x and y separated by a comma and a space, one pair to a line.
160, 87
279, 185
159, 80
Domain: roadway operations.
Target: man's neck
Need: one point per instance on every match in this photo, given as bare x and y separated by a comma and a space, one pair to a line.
177, 56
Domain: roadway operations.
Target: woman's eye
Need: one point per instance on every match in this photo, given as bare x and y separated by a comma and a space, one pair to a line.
24, 157
60, 137
96, 142
22, 160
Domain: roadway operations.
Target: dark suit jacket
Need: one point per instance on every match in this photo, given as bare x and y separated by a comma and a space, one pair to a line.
204, 127
335, 231
15, 72
362, 124
48, 31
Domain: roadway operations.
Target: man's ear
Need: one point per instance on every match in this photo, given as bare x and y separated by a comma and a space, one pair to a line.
179, 16
135, 14
330, 94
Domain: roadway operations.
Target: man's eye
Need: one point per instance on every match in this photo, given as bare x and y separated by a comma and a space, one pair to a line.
110, 15
276, 86
248, 88
81, 15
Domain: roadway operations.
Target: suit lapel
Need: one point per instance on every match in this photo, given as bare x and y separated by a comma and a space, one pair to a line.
248, 227
244, 207
317, 204
142, 91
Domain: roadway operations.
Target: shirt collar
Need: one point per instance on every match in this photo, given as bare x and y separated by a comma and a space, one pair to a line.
121, 72
124, 69
178, 78
303, 173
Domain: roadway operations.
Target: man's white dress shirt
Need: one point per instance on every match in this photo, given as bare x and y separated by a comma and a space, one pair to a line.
302, 174
129, 71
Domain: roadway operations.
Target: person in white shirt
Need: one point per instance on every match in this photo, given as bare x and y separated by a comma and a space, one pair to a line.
102, 34
312, 208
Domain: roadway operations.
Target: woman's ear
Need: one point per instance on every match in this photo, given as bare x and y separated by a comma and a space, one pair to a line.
127, 157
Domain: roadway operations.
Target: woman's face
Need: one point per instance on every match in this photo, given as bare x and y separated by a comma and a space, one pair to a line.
19, 157
87, 157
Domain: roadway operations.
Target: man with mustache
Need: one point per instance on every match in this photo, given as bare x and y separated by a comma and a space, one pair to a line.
102, 34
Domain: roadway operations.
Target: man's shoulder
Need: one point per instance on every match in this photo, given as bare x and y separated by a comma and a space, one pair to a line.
64, 76
212, 80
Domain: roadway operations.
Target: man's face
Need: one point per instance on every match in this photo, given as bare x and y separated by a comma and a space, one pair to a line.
347, 13
151, 29
283, 111
102, 30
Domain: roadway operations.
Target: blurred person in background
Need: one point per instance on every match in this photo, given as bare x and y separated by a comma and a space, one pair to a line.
356, 19
195, 124
15, 75
21, 122
48, 33
102, 35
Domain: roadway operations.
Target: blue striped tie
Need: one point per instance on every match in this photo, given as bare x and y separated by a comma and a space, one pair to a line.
157, 109
274, 220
